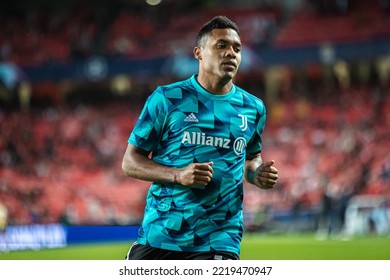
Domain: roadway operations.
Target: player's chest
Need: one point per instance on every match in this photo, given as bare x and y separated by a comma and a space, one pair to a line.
218, 119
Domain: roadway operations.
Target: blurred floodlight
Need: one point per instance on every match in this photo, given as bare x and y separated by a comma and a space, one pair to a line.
121, 84
153, 2
96, 68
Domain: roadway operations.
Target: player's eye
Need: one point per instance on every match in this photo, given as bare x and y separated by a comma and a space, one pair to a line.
221, 45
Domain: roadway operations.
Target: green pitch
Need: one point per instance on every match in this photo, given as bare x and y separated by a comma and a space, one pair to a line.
254, 247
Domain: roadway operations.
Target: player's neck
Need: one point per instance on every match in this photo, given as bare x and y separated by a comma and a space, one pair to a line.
215, 86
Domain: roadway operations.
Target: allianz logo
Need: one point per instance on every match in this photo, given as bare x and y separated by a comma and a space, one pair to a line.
200, 138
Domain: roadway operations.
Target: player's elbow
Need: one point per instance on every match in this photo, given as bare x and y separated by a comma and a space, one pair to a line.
127, 168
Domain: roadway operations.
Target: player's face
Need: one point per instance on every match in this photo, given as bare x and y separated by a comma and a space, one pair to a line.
220, 54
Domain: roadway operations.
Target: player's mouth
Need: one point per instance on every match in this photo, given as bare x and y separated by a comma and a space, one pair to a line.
229, 64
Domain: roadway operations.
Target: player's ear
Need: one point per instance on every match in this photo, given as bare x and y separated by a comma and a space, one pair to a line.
197, 53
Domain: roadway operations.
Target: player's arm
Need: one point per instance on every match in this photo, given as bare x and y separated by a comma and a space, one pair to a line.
261, 174
137, 164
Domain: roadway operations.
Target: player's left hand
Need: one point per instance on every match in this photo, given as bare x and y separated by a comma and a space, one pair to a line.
266, 175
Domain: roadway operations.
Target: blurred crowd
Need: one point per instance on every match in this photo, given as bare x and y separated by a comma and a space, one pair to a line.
60, 34
63, 165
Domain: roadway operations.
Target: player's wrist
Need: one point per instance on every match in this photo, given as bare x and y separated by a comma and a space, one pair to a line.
250, 176
176, 177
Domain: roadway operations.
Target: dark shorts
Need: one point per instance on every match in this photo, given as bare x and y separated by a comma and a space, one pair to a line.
144, 252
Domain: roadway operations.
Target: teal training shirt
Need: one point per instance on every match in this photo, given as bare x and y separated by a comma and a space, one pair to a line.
180, 124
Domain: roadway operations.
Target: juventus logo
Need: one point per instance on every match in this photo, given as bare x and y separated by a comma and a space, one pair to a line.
244, 124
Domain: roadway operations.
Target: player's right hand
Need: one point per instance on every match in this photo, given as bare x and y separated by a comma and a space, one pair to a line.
195, 174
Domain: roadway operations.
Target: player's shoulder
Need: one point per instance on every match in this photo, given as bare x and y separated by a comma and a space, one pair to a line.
164, 95
174, 86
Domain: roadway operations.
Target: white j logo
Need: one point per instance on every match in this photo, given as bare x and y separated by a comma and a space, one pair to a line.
244, 124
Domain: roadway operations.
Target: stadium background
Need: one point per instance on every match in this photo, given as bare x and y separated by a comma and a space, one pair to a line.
74, 77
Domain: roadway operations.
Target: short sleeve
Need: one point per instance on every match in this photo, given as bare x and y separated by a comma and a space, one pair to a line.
149, 126
255, 144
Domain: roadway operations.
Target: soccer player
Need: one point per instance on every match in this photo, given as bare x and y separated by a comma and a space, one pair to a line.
193, 140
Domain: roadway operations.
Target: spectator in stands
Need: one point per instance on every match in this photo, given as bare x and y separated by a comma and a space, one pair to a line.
201, 133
